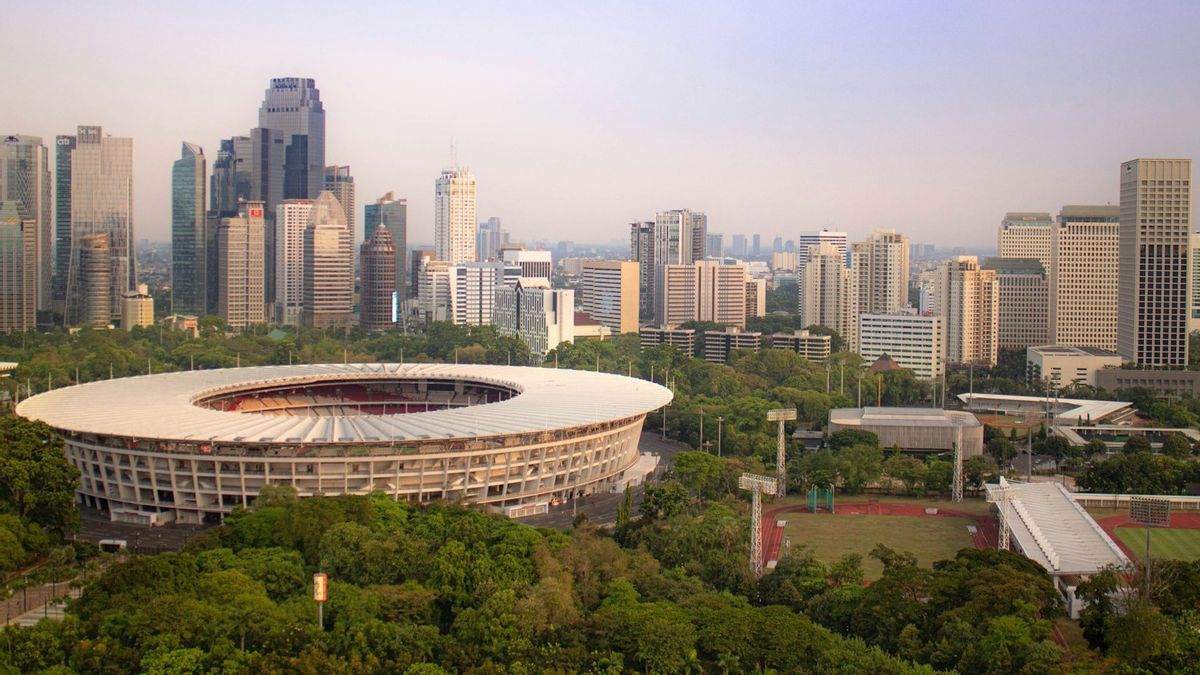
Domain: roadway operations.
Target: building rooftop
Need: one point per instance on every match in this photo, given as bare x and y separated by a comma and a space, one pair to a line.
1054, 531
1070, 350
894, 416
1064, 409
163, 406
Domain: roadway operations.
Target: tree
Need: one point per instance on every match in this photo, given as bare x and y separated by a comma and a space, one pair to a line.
1001, 449
978, 469
859, 465
1095, 448
36, 481
699, 472
1177, 446
845, 438
1136, 443
907, 470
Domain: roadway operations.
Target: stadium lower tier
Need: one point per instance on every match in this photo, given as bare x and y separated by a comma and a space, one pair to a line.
150, 482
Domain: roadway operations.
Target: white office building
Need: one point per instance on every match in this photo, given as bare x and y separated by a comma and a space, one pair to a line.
911, 340
454, 221
291, 219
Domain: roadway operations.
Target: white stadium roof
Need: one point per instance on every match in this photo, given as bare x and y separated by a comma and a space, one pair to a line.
161, 406
1053, 530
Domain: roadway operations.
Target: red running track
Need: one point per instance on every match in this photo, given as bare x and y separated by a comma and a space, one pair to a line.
986, 527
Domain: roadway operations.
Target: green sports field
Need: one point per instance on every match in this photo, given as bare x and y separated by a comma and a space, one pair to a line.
830, 536
1174, 544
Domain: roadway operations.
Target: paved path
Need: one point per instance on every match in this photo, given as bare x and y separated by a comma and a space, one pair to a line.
95, 525
53, 610
601, 509
28, 605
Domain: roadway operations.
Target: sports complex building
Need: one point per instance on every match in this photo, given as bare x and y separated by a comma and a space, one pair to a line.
192, 446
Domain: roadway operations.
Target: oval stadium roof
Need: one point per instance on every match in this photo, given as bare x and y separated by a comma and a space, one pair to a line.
161, 406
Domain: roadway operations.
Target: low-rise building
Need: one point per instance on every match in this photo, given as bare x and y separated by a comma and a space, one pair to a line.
914, 430
719, 344
811, 346
137, 308
1064, 365
587, 328
1172, 384
682, 338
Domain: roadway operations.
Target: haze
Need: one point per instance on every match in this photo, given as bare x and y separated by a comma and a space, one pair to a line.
577, 118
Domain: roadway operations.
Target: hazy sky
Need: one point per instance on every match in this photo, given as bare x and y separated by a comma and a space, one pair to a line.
579, 117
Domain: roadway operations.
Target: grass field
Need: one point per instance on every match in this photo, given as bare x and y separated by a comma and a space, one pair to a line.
1173, 544
830, 536
971, 504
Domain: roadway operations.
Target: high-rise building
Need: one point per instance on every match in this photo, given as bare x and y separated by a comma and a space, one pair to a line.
454, 216
1156, 220
967, 298
292, 217
392, 213
680, 237
777, 245
63, 152
912, 340
532, 263
472, 292
432, 283
756, 247
137, 308
94, 258
1084, 274
609, 292
189, 264
377, 259
839, 240
25, 180
881, 262
715, 244
828, 292
1026, 235
541, 316
756, 297
738, 248
101, 192
489, 239
328, 266
292, 106
641, 251
339, 181
1023, 317
18, 268
705, 290
418, 259
241, 299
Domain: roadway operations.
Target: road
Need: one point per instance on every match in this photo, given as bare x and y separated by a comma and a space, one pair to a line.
601, 509
94, 525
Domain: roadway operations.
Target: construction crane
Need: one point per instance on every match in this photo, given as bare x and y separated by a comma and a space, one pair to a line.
758, 486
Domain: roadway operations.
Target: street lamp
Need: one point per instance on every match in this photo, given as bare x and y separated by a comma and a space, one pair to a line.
702, 427
719, 421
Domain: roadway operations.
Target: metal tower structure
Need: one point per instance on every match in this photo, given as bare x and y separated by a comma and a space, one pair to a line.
956, 493
758, 485
781, 415
1002, 496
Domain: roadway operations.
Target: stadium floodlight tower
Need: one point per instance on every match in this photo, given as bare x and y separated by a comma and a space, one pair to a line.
1002, 495
781, 415
956, 493
757, 485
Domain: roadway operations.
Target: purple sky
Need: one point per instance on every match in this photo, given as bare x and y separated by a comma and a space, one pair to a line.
577, 118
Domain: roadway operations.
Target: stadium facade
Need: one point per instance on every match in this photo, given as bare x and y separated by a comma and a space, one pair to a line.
192, 446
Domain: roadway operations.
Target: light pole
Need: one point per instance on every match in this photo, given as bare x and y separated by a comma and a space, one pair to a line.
702, 428
719, 421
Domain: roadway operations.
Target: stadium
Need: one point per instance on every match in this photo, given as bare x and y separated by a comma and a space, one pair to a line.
192, 446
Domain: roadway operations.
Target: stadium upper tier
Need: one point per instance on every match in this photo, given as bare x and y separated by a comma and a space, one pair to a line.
344, 403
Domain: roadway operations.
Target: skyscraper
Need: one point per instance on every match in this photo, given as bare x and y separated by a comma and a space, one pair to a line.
881, 263
64, 150
1156, 219
292, 106
291, 221
377, 258
454, 216
1026, 235
968, 301
839, 240
738, 248
1084, 273
705, 290
101, 202
641, 251
542, 316
339, 181
188, 251
756, 247
18, 268
489, 239
328, 266
681, 237
393, 214
25, 179
828, 292
241, 298
94, 258
536, 263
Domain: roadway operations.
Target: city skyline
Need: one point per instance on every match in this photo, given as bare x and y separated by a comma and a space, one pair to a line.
781, 128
